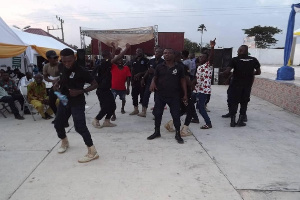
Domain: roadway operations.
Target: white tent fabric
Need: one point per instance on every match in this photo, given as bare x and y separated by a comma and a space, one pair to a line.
40, 40
8, 36
121, 36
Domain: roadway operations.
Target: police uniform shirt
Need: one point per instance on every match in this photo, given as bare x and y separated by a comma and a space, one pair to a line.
243, 73
169, 80
74, 78
152, 64
138, 66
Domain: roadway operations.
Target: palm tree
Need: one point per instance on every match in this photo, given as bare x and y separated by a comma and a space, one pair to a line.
201, 28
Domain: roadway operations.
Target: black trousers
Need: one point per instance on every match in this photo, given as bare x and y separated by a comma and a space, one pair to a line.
238, 95
52, 100
173, 103
11, 102
107, 103
19, 98
137, 90
189, 110
78, 114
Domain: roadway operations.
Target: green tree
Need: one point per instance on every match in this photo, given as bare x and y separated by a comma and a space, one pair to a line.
190, 46
201, 28
263, 35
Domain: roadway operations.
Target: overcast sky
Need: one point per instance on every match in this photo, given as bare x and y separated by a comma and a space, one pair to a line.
224, 19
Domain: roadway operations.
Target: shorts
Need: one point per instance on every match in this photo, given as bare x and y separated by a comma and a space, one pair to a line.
121, 93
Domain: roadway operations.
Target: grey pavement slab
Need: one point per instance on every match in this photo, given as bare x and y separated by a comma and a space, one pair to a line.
219, 163
264, 155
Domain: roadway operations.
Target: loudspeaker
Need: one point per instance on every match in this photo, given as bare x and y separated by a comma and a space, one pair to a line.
81, 57
222, 58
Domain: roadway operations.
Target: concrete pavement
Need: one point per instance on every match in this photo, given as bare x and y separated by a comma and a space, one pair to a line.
259, 161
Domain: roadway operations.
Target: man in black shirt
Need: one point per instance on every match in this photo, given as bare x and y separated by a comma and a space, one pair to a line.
168, 82
105, 96
147, 78
244, 68
71, 83
138, 70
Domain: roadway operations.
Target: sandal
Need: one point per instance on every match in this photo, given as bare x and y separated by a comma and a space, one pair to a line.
206, 126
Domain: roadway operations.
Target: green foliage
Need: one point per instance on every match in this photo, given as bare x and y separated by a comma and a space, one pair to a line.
263, 35
190, 46
201, 28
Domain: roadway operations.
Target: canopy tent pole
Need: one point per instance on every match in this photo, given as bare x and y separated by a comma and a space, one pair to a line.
286, 72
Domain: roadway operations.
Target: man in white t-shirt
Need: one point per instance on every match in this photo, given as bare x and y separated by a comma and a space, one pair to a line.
25, 80
202, 83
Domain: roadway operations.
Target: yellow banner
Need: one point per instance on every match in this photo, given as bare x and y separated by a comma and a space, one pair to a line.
10, 50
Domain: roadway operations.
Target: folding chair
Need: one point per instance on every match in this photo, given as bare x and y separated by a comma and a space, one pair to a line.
4, 109
23, 90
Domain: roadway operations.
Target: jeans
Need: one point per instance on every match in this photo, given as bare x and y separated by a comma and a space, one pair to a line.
173, 103
190, 110
107, 104
77, 112
201, 106
11, 102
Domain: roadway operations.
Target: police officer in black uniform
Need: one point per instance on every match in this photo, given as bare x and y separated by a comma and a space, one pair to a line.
138, 69
168, 82
71, 83
105, 96
244, 68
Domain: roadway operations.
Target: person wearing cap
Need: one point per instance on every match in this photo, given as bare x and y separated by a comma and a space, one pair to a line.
51, 73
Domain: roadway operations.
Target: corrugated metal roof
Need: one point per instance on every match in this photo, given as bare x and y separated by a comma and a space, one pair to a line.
39, 31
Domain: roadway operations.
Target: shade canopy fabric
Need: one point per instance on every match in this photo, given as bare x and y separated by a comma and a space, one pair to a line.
297, 32
10, 44
121, 36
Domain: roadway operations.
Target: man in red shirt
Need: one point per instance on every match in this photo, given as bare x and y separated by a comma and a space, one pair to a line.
120, 75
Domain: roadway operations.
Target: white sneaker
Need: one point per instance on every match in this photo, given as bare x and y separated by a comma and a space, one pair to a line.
64, 146
96, 123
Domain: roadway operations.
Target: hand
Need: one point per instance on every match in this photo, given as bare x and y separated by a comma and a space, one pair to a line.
137, 77
213, 43
128, 91
143, 82
113, 44
55, 86
74, 92
152, 87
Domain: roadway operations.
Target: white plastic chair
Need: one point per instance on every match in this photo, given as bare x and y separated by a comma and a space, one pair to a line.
23, 90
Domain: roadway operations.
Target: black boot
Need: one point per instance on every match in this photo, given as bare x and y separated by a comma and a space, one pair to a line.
156, 134
226, 115
232, 123
240, 121
178, 137
245, 119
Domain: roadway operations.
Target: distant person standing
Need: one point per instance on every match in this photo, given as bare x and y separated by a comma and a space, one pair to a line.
147, 79
239, 91
202, 83
104, 93
120, 76
168, 83
138, 69
51, 72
